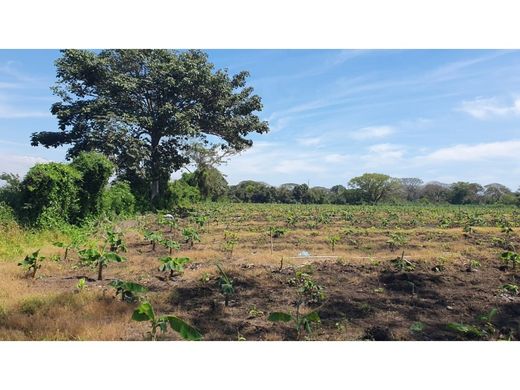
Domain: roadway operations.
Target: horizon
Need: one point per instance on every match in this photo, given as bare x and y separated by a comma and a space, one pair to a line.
438, 115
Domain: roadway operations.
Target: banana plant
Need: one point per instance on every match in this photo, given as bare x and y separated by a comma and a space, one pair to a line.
275, 232
190, 236
332, 241
226, 285
99, 259
510, 256
175, 264
301, 322
77, 238
145, 312
171, 245
129, 291
115, 241
154, 238
31, 263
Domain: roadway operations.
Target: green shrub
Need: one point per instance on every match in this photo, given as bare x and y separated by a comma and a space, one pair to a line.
10, 191
181, 196
118, 199
7, 217
95, 170
50, 194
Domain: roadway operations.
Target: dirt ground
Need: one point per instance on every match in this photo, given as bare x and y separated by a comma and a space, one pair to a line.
456, 278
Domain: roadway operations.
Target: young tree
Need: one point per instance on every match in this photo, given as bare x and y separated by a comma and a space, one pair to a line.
373, 186
144, 108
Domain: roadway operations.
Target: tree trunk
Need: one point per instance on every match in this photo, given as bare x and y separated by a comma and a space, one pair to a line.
100, 272
155, 166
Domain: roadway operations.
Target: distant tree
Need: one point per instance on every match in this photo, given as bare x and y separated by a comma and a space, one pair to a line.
211, 183
435, 192
10, 192
144, 108
338, 194
301, 193
464, 193
283, 194
253, 191
373, 187
495, 192
412, 187
319, 195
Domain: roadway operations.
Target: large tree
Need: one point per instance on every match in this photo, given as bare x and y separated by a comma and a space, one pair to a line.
144, 108
373, 187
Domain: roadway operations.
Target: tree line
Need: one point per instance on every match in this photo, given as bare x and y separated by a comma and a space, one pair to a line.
369, 188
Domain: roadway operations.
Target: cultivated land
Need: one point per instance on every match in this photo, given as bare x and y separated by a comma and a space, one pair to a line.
387, 273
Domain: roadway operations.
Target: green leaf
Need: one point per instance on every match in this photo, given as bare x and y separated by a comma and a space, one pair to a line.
279, 316
186, 331
111, 256
144, 312
313, 317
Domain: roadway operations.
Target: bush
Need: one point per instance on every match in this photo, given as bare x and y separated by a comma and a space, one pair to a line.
95, 170
181, 196
50, 194
10, 192
118, 199
7, 218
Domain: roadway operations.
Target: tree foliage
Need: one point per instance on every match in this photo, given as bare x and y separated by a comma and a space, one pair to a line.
50, 194
143, 108
95, 171
373, 187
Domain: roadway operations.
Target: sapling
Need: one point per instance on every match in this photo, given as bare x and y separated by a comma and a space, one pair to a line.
153, 237
510, 256
308, 291
145, 312
99, 259
230, 241
31, 263
171, 245
226, 285
301, 321
175, 264
115, 241
333, 240
402, 265
396, 241
190, 236
129, 290
275, 232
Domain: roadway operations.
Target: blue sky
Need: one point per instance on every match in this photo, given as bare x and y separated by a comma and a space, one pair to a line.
443, 115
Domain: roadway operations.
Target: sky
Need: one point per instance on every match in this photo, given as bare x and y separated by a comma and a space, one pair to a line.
440, 115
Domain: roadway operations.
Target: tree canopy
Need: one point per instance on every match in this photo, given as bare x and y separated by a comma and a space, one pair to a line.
373, 186
144, 108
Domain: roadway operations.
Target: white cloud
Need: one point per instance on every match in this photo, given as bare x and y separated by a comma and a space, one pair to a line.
299, 165
372, 132
484, 151
336, 158
309, 141
18, 164
484, 108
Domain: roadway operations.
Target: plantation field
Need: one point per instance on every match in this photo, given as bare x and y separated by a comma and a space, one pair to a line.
326, 272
